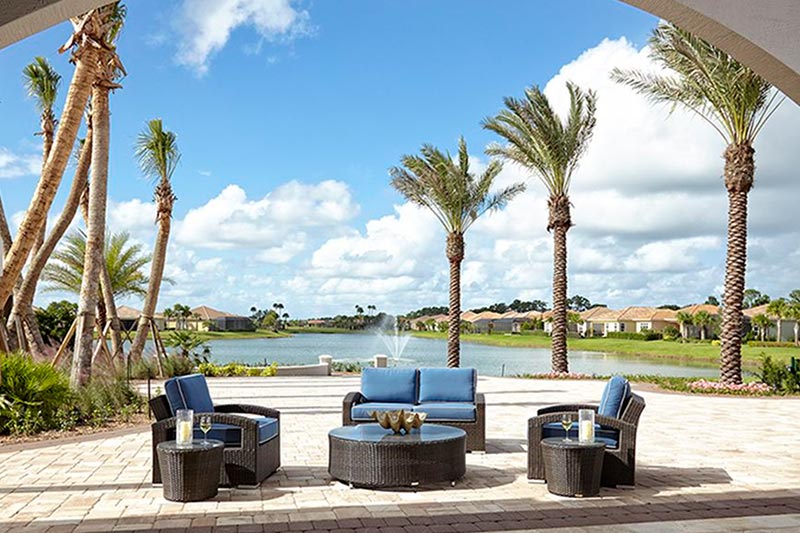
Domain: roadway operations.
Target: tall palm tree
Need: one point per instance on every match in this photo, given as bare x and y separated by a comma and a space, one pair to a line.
108, 70
703, 319
85, 43
684, 321
126, 263
780, 310
446, 186
23, 303
737, 103
158, 155
42, 82
764, 323
549, 148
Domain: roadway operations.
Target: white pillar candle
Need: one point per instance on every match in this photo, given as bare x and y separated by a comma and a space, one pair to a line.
184, 432
586, 431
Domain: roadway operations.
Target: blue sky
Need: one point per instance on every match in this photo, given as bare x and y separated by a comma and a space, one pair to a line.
299, 110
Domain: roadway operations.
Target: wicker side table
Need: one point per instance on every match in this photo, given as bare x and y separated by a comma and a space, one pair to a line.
190, 473
370, 456
573, 468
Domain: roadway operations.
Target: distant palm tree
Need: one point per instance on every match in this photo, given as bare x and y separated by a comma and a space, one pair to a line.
736, 102
549, 148
158, 155
684, 320
703, 319
764, 323
794, 314
126, 263
448, 188
779, 309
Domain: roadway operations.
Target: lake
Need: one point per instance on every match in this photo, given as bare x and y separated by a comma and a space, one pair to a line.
489, 360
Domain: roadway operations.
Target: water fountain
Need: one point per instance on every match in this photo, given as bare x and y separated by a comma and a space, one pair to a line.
392, 337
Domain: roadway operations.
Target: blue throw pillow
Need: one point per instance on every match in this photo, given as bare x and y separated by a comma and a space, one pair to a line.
447, 384
389, 384
614, 397
189, 392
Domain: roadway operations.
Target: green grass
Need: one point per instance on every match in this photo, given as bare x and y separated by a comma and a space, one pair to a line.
230, 335
751, 355
314, 329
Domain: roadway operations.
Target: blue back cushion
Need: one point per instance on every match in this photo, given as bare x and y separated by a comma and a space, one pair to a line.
447, 384
614, 397
189, 392
389, 384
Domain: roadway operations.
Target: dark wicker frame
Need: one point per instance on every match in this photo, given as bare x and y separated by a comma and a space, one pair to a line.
619, 464
396, 462
249, 464
572, 469
476, 431
186, 476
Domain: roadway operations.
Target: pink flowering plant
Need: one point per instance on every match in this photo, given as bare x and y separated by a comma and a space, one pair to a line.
754, 388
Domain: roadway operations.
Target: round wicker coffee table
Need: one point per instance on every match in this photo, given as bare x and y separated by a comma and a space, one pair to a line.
573, 468
369, 456
190, 473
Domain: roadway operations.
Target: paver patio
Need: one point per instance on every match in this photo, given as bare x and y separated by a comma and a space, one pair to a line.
704, 464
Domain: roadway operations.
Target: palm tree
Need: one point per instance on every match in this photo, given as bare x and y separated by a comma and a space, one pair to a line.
158, 155
549, 148
125, 261
448, 188
794, 314
703, 319
764, 323
23, 303
109, 69
736, 102
684, 320
779, 309
42, 82
85, 44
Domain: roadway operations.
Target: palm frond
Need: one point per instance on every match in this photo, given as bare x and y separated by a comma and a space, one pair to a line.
42, 82
157, 151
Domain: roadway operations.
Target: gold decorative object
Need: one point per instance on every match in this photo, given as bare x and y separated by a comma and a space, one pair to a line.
399, 420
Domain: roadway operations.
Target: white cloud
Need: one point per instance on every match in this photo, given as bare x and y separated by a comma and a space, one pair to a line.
206, 25
15, 165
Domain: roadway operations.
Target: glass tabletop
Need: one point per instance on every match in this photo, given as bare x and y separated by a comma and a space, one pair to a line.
196, 445
375, 433
559, 442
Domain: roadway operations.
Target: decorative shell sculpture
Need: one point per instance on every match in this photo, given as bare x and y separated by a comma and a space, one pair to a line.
399, 420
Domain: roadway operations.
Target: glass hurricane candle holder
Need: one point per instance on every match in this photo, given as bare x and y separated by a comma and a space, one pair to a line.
586, 425
184, 423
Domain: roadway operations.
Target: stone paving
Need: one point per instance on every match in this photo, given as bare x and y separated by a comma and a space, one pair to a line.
704, 464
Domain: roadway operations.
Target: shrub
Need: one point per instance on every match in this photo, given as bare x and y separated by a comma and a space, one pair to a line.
237, 370
178, 365
34, 393
671, 333
348, 367
270, 370
144, 368
780, 378
771, 344
103, 400
643, 336
209, 370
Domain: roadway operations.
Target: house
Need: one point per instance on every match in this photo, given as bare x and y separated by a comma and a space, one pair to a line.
595, 320
129, 318
692, 331
638, 319
209, 319
787, 325
316, 323
485, 322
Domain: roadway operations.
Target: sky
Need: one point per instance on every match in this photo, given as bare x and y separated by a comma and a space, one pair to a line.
290, 113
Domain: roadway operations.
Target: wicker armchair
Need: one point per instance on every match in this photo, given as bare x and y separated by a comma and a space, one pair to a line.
619, 463
248, 463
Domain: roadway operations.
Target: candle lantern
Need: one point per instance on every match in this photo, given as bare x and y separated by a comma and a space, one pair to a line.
586, 425
184, 427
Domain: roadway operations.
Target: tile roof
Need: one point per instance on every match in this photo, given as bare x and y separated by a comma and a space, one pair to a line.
208, 313
708, 308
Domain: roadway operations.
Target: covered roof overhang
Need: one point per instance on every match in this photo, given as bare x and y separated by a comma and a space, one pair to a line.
22, 18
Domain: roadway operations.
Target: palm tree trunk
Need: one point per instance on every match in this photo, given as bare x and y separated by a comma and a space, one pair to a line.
164, 201
739, 171
23, 305
778, 324
796, 329
702, 333
95, 239
455, 255
560, 222
48, 130
79, 90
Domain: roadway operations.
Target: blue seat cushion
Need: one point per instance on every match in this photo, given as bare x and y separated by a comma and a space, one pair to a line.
443, 411
614, 398
393, 385
607, 435
446, 385
362, 411
189, 392
231, 435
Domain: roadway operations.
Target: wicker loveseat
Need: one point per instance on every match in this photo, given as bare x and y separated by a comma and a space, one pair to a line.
251, 433
447, 395
616, 421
